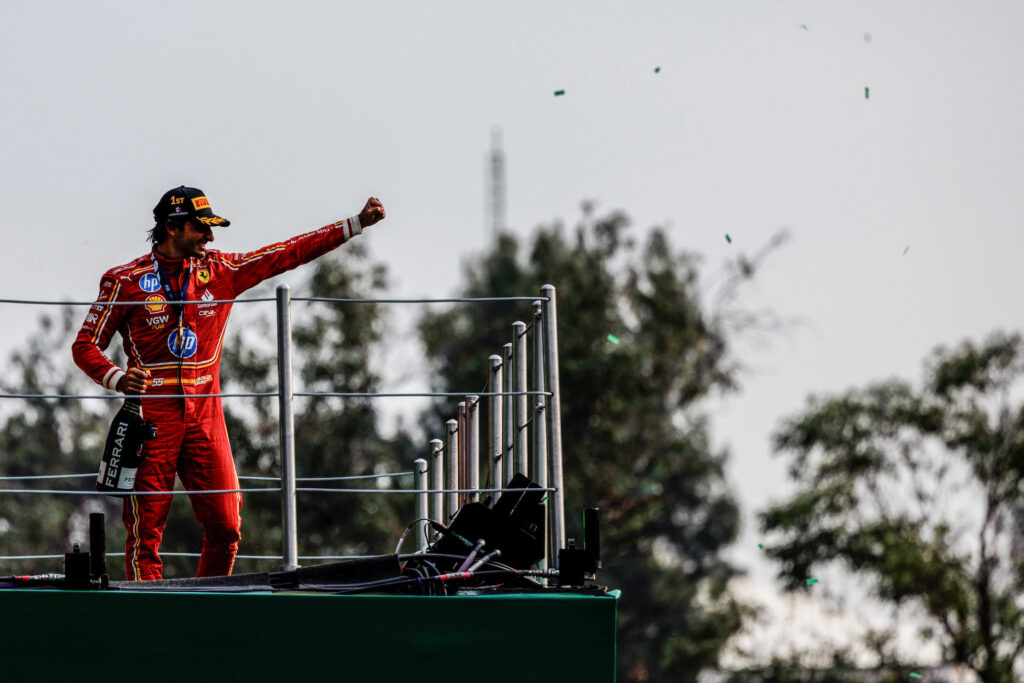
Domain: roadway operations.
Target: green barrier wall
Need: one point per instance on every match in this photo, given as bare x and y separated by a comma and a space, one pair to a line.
148, 636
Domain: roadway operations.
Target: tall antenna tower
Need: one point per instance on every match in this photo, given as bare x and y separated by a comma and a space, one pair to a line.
496, 185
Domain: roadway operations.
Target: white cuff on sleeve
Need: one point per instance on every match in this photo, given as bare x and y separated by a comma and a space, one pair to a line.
350, 227
112, 377
356, 226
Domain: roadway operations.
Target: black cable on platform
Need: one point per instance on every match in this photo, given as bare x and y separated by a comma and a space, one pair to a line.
342, 589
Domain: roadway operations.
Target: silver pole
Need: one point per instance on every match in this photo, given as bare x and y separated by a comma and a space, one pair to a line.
473, 446
540, 434
510, 425
286, 418
437, 480
522, 434
462, 432
554, 414
494, 454
420, 525
451, 464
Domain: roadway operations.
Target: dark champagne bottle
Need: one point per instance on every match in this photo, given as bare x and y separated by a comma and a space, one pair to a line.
123, 450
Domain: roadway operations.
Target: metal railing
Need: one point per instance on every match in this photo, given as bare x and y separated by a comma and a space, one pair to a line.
450, 475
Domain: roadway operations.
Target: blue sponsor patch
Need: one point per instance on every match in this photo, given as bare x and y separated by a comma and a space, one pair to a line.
149, 283
187, 348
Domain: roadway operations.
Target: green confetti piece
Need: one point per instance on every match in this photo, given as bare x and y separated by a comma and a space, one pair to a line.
916, 676
559, 93
544, 498
613, 339
811, 581
867, 93
728, 239
657, 69
760, 546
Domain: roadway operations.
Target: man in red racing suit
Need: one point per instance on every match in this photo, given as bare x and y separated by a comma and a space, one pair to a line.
175, 349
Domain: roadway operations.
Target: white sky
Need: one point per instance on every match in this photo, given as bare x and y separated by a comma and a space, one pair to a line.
289, 117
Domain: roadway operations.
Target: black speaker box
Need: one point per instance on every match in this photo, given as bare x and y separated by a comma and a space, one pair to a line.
515, 525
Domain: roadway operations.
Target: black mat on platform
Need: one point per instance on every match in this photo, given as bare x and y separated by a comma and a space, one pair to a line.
351, 571
260, 579
355, 571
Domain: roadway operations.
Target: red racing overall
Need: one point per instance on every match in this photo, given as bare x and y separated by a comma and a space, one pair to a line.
191, 441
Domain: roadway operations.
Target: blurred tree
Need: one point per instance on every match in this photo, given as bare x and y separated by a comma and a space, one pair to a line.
636, 444
920, 490
48, 437
807, 667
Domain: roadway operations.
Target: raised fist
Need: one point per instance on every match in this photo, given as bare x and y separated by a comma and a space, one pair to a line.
372, 213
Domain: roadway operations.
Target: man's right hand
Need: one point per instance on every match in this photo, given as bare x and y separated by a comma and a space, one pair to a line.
134, 381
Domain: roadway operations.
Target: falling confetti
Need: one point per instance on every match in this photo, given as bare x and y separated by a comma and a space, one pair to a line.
866, 93
906, 250
867, 37
916, 676
760, 546
657, 69
803, 26
728, 239
558, 93
811, 581
613, 339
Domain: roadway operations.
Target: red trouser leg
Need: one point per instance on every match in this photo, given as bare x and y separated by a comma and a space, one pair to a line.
200, 454
145, 516
206, 464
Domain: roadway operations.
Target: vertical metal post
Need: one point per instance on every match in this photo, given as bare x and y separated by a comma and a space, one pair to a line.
437, 480
494, 420
462, 431
540, 433
473, 447
554, 413
452, 466
521, 413
420, 526
510, 425
286, 419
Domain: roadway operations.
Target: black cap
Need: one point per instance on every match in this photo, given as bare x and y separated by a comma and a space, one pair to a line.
187, 202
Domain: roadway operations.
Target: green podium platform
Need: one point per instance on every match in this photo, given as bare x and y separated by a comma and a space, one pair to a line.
51, 635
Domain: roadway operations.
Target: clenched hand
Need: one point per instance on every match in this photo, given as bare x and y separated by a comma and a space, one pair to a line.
372, 213
134, 381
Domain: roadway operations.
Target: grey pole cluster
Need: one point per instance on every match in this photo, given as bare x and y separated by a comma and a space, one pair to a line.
439, 479
509, 423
